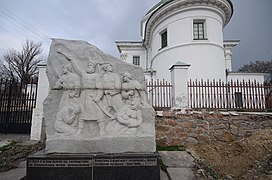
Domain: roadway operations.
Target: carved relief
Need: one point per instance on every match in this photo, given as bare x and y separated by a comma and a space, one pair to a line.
129, 116
97, 99
67, 116
112, 86
131, 88
94, 105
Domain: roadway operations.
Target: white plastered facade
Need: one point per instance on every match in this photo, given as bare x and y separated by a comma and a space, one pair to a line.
208, 58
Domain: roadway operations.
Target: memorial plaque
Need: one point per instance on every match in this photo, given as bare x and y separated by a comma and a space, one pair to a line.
41, 166
93, 167
125, 162
47, 163
126, 167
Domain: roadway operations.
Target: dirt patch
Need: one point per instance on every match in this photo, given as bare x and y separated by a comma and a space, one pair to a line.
15, 152
248, 158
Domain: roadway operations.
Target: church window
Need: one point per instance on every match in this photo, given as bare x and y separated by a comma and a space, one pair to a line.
136, 60
164, 39
199, 29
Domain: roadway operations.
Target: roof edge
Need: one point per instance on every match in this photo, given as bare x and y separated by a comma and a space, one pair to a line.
162, 4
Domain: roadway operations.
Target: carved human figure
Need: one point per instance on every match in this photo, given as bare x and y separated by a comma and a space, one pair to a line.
69, 109
131, 87
92, 108
112, 86
128, 118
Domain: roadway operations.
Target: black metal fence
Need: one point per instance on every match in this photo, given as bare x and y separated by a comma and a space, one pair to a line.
16, 104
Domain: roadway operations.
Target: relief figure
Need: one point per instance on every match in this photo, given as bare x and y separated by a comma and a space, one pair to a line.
92, 107
69, 109
129, 117
130, 87
112, 88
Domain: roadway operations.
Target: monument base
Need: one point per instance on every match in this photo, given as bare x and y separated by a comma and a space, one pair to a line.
132, 166
107, 145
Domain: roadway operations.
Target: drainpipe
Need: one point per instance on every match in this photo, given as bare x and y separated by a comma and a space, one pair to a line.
146, 56
148, 68
228, 89
227, 74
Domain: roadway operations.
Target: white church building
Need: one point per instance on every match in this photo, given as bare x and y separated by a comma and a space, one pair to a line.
182, 40
184, 34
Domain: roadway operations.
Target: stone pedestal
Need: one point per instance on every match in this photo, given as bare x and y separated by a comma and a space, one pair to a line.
179, 78
127, 166
105, 145
98, 122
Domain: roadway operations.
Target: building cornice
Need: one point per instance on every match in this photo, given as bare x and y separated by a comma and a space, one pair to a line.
247, 73
224, 7
128, 44
230, 43
179, 64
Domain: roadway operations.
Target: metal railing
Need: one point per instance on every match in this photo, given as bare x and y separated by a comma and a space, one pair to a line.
16, 104
160, 94
234, 95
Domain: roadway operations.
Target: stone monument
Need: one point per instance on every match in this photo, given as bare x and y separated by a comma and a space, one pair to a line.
97, 110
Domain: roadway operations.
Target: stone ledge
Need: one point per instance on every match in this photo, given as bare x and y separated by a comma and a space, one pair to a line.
106, 145
177, 159
181, 173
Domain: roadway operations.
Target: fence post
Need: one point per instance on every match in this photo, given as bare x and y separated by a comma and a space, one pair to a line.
179, 78
42, 92
8, 105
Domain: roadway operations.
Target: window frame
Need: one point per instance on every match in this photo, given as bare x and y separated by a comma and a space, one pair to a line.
137, 60
164, 38
200, 31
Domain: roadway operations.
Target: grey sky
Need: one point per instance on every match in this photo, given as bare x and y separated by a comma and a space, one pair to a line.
252, 24
102, 22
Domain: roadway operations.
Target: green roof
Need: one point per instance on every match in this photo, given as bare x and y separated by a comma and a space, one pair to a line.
164, 1
157, 5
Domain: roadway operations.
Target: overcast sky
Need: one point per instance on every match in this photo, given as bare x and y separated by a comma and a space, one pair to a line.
102, 22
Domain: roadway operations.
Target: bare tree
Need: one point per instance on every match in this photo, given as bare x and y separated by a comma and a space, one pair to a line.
23, 64
4, 73
258, 67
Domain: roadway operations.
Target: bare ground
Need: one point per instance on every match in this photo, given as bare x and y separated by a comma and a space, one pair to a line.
248, 158
17, 151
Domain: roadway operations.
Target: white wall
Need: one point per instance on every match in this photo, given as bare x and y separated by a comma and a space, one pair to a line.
130, 52
43, 90
258, 77
206, 57
228, 55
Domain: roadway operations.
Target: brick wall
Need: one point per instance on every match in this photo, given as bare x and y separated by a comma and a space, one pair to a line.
174, 129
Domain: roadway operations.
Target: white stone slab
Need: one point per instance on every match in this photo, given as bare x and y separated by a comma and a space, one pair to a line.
15, 174
163, 175
97, 103
181, 173
177, 159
